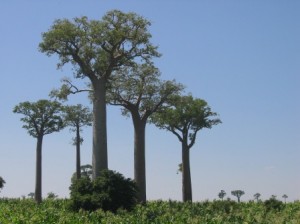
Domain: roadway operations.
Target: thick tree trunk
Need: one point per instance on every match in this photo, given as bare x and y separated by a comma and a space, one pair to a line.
139, 157
78, 172
99, 160
38, 172
186, 174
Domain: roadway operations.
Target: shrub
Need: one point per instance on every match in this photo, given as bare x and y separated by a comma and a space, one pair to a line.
273, 204
110, 191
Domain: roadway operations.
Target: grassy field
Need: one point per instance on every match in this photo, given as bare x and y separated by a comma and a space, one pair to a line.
20, 211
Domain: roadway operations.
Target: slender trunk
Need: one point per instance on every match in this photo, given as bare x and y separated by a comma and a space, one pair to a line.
239, 200
99, 160
186, 174
78, 173
139, 157
38, 172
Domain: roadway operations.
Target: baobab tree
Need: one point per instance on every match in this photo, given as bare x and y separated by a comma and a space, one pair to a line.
257, 196
141, 93
95, 49
185, 116
76, 117
41, 118
284, 197
31, 195
222, 194
2, 182
238, 194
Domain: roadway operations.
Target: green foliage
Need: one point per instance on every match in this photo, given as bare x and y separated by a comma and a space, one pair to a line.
110, 192
273, 204
139, 90
96, 47
216, 212
2, 182
52, 195
77, 116
184, 117
41, 118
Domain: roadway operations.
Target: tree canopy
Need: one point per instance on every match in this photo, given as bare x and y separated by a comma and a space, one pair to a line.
41, 118
184, 117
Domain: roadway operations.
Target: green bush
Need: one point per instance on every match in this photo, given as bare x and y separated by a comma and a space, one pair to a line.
110, 191
273, 204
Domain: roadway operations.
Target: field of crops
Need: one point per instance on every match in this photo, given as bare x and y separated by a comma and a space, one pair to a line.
56, 211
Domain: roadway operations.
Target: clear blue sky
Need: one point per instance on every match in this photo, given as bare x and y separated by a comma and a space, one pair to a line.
242, 57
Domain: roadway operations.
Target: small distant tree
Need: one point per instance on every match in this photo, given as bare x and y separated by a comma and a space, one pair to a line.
77, 117
52, 195
41, 118
31, 195
185, 116
179, 168
222, 194
285, 197
257, 196
87, 170
273, 196
2, 182
238, 194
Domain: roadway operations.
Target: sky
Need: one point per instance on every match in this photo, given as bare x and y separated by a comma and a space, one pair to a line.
242, 57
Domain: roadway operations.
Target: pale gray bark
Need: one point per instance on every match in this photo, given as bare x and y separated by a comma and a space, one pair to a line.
99, 159
186, 173
139, 158
78, 172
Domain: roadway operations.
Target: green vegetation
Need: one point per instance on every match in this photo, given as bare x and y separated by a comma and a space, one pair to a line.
216, 212
110, 192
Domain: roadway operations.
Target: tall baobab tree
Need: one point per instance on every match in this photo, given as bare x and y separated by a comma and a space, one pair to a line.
95, 49
141, 93
185, 116
76, 117
41, 118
